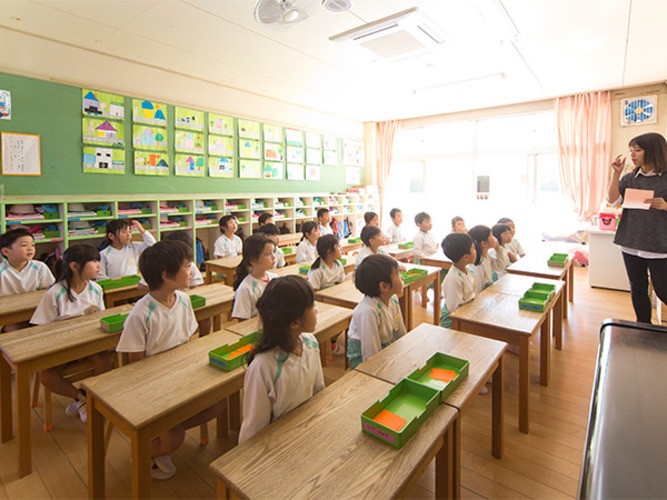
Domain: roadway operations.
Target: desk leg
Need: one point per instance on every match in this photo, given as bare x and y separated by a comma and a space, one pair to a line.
455, 438
223, 491
5, 399
229, 278
235, 411
141, 463
524, 381
209, 276
436, 300
424, 296
217, 323
497, 416
96, 450
409, 309
570, 283
443, 467
23, 419
565, 299
545, 350
558, 321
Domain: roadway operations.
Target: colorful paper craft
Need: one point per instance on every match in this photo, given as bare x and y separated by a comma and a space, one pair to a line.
103, 132
218, 145
273, 133
150, 138
249, 128
295, 172
273, 170
189, 165
103, 160
274, 151
102, 105
294, 154
442, 374
353, 153
313, 140
313, 156
330, 157
189, 142
312, 172
220, 167
294, 137
190, 119
153, 113
220, 124
329, 142
146, 163
250, 169
249, 148
390, 420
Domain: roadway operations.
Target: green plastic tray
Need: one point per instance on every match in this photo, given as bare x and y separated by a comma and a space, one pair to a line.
304, 269
408, 399
413, 275
557, 260
220, 357
406, 245
534, 301
288, 250
444, 361
112, 283
543, 287
197, 301
103, 213
354, 240
343, 261
113, 323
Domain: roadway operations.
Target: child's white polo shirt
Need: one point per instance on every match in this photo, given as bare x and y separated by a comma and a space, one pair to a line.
280, 257
245, 298
306, 251
395, 233
424, 244
325, 230
484, 273
35, 275
515, 247
500, 261
56, 304
151, 327
325, 276
276, 383
458, 288
364, 252
116, 263
225, 247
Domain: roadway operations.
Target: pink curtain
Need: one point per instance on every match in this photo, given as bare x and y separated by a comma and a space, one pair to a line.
386, 135
584, 139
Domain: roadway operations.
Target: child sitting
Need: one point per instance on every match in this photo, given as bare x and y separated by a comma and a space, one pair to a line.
377, 320
327, 270
272, 231
306, 251
514, 248
499, 256
459, 225
324, 220
424, 244
372, 238
228, 244
484, 241
252, 276
121, 256
372, 219
265, 218
459, 286
75, 294
196, 278
394, 230
159, 321
284, 370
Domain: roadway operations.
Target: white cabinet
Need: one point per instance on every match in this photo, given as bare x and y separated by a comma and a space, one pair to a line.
606, 267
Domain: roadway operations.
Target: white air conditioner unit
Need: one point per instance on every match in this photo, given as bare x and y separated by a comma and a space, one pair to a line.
401, 35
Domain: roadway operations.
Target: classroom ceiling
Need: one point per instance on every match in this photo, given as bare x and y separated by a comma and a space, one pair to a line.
559, 47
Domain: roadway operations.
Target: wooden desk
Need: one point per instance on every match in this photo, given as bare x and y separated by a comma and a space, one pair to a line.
289, 239
536, 265
402, 254
412, 351
290, 258
331, 320
497, 316
226, 266
20, 307
294, 269
346, 247
318, 450
437, 259
41, 347
172, 387
111, 297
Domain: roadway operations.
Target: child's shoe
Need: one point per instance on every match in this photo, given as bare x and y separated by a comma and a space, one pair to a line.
162, 468
78, 409
337, 350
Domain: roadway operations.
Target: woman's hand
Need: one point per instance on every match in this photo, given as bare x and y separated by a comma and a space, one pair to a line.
657, 203
618, 164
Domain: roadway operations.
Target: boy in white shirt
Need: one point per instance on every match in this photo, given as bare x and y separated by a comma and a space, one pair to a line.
228, 244
394, 230
459, 286
424, 244
459, 225
19, 273
306, 251
272, 231
324, 219
377, 320
121, 256
162, 320
265, 218
372, 238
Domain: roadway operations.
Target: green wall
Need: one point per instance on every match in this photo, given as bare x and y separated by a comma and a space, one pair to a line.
53, 111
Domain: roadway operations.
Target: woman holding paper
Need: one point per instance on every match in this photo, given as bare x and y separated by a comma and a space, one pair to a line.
642, 231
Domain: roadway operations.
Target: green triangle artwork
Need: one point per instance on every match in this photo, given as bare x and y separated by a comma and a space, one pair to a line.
149, 138
190, 165
220, 167
151, 163
186, 141
273, 170
149, 112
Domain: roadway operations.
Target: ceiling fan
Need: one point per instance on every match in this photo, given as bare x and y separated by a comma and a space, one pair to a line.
283, 14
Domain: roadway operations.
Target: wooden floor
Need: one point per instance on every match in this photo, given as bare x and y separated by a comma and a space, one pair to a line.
542, 464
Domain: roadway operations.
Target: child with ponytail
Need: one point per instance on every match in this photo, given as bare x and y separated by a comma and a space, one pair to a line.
252, 274
327, 270
307, 251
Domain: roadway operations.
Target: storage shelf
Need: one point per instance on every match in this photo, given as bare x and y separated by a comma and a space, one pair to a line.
86, 237
31, 221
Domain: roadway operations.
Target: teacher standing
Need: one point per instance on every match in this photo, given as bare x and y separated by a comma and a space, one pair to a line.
642, 234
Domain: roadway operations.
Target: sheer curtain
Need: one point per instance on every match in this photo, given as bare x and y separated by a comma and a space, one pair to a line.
386, 135
584, 137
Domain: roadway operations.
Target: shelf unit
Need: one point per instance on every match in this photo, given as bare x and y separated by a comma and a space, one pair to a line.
198, 214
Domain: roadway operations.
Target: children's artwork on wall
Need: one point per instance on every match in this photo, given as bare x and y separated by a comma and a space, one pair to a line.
151, 112
330, 157
220, 167
249, 149
189, 165
250, 169
273, 133
312, 172
146, 163
295, 172
294, 137
249, 128
353, 152
102, 105
21, 154
220, 124
313, 140
353, 175
103, 132
329, 142
274, 151
151, 138
103, 160
313, 156
220, 145
190, 119
5, 105
189, 142
273, 170
294, 154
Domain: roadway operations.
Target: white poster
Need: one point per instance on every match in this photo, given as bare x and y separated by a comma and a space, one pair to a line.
20, 154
